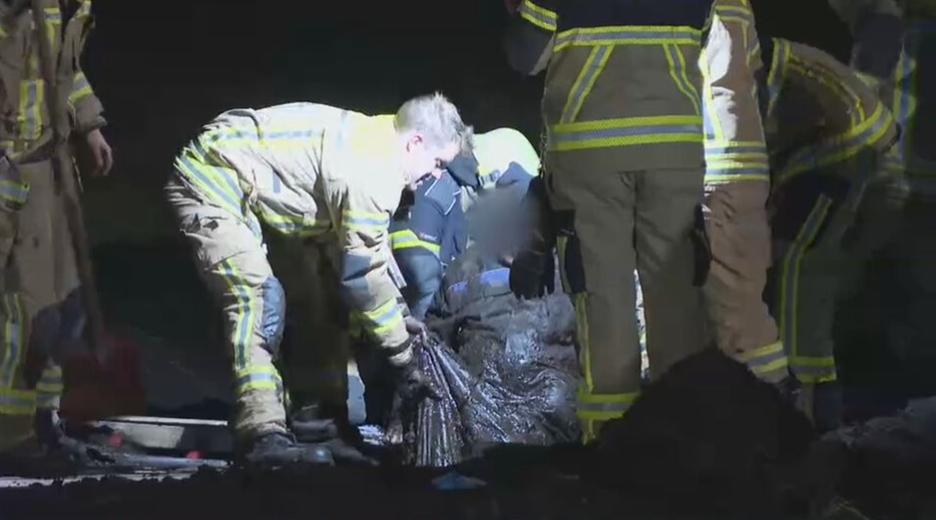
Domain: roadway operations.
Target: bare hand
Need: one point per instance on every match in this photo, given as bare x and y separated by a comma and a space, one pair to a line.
100, 152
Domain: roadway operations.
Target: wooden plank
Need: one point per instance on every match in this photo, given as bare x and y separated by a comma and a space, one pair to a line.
166, 433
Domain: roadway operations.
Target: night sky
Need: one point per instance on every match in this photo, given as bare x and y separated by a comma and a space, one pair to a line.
164, 68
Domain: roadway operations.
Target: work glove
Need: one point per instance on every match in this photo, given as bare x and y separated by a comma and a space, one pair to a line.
532, 274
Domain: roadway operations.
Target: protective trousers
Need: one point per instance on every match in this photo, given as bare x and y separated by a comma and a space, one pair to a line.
231, 258
610, 224
813, 215
41, 308
739, 240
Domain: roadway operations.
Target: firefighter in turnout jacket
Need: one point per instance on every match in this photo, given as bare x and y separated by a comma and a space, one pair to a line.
624, 166
827, 132
41, 308
325, 174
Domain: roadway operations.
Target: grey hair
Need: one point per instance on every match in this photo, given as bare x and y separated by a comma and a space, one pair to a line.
437, 119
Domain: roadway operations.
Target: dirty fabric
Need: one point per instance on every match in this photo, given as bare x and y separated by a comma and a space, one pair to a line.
507, 370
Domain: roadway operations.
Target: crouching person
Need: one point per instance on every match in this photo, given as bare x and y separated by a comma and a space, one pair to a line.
319, 172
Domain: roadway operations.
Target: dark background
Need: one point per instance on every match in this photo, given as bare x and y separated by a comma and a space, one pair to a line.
164, 68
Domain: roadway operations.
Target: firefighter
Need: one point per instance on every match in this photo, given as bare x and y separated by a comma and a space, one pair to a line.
428, 234
624, 166
895, 49
41, 309
827, 132
329, 175
737, 183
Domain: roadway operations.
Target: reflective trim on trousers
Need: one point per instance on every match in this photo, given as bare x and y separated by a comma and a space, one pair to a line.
13, 340
814, 369
257, 378
245, 308
789, 286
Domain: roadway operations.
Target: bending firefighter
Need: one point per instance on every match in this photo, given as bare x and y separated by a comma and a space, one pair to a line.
827, 132
41, 309
624, 166
313, 171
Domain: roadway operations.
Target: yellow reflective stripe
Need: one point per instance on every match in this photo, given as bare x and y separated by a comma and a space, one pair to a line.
29, 113
13, 337
81, 88
562, 243
219, 184
841, 147
365, 221
406, 238
294, 225
627, 398
789, 290
776, 77
625, 132
257, 377
594, 65
582, 334
767, 350
677, 70
827, 79
538, 16
3, 33
14, 192
627, 35
245, 309
384, 318
17, 402
51, 381
596, 415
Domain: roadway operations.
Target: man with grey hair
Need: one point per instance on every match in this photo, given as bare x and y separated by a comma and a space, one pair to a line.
333, 178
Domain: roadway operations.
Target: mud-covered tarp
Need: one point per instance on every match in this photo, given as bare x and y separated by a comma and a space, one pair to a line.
507, 370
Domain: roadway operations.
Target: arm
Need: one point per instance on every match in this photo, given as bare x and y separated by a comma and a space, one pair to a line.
529, 36
416, 243
735, 148
365, 279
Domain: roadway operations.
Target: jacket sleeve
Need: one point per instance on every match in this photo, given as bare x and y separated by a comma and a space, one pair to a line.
529, 36
735, 149
84, 107
368, 288
417, 244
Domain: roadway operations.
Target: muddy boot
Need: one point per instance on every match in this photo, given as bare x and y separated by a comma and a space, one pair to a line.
309, 424
279, 449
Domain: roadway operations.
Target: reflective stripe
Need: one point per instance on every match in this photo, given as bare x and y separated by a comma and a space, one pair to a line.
593, 67
562, 244
765, 360
677, 68
17, 402
736, 161
365, 221
289, 224
628, 35
602, 407
81, 88
245, 309
13, 334
779, 61
582, 335
538, 16
51, 381
16, 193
840, 148
625, 132
258, 377
214, 183
831, 81
384, 318
406, 238
814, 369
29, 115
789, 291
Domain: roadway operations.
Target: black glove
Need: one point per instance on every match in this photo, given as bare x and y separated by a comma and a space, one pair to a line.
532, 274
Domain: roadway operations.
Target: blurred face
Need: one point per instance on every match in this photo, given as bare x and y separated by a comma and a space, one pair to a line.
422, 160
